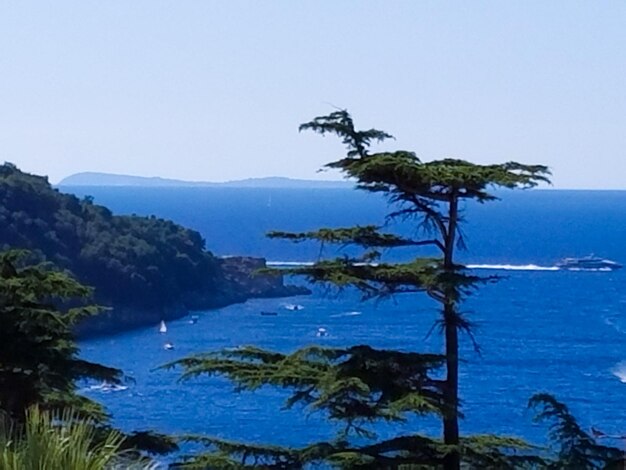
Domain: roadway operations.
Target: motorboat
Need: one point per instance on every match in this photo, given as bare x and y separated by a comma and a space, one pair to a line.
588, 263
108, 387
294, 307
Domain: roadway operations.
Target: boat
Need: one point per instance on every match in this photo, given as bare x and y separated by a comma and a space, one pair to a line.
108, 387
321, 332
162, 328
168, 346
269, 314
194, 319
588, 263
294, 307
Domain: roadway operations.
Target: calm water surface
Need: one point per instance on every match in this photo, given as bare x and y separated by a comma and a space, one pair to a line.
539, 330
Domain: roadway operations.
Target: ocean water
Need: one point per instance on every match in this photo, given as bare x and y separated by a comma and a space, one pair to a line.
540, 329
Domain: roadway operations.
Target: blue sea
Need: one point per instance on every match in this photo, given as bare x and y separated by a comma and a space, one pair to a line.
540, 329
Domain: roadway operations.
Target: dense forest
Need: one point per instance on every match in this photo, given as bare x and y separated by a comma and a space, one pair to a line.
133, 262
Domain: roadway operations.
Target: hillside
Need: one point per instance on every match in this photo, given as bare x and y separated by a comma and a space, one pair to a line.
146, 268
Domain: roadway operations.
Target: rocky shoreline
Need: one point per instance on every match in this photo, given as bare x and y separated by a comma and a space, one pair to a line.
241, 280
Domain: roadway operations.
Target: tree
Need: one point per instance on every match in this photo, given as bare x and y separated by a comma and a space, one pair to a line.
135, 262
429, 194
39, 363
353, 387
574, 447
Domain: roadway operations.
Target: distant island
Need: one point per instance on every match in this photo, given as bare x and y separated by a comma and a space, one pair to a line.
109, 179
145, 268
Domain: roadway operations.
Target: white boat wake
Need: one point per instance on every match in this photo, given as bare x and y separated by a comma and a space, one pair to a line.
613, 324
499, 267
346, 314
106, 387
514, 267
505, 267
619, 371
289, 263
293, 307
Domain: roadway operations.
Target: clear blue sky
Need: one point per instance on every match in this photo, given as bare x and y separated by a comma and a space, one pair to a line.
215, 90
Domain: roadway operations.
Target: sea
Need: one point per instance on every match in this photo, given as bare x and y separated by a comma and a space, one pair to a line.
539, 328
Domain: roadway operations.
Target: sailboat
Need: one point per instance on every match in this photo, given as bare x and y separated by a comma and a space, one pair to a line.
162, 328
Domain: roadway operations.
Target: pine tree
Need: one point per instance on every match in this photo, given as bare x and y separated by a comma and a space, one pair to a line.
39, 363
574, 448
355, 388
429, 194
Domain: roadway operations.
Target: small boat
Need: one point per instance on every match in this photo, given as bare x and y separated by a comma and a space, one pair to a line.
194, 319
321, 332
108, 387
168, 346
588, 263
269, 314
294, 307
162, 328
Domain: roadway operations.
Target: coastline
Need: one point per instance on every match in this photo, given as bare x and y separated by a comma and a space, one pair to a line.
241, 281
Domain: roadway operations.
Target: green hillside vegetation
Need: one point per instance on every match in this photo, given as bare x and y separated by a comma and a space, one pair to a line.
131, 261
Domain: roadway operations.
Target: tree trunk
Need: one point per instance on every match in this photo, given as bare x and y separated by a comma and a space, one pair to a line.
451, 393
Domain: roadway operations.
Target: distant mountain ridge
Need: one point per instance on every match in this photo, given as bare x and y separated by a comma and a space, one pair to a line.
110, 179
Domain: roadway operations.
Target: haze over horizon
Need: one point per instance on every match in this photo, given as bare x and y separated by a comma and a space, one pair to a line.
90, 179
210, 91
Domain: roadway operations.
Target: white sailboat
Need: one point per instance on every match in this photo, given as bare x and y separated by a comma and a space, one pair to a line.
321, 332
162, 328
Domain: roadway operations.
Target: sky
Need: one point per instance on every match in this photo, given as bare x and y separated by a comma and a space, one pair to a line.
215, 90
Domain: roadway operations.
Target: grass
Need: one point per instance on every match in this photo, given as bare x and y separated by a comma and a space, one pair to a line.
50, 441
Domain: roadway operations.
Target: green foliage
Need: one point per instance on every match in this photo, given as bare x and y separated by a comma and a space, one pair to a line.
149, 441
429, 194
410, 452
132, 261
63, 441
39, 357
419, 189
489, 451
39, 361
366, 236
341, 124
574, 447
352, 386
376, 279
